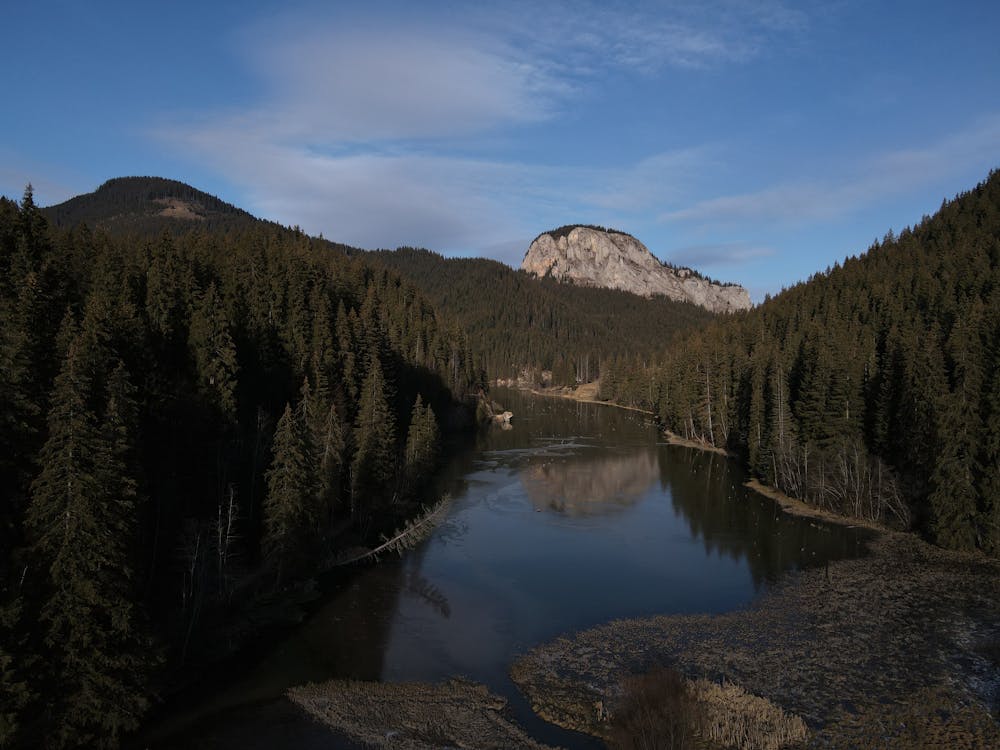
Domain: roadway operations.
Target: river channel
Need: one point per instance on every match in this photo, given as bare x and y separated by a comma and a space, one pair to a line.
577, 515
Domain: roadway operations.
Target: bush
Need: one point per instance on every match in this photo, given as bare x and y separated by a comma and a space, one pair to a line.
658, 711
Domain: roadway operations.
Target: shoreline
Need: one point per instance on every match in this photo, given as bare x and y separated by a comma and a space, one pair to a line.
795, 507
698, 445
790, 505
586, 393
898, 648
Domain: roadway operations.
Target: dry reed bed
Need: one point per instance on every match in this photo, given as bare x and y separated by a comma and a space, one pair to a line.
412, 716
898, 649
732, 717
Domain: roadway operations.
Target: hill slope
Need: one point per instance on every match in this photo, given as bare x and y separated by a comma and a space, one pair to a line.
147, 203
872, 389
515, 321
204, 416
150, 206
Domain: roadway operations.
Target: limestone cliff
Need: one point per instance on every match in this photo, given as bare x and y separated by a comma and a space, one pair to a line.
596, 257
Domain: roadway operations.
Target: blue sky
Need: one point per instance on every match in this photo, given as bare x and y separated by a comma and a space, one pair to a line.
756, 140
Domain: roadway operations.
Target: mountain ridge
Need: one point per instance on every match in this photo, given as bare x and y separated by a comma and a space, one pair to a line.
154, 205
124, 198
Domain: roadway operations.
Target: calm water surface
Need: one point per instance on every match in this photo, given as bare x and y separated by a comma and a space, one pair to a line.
576, 516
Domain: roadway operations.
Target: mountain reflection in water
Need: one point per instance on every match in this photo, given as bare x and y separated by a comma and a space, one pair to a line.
591, 482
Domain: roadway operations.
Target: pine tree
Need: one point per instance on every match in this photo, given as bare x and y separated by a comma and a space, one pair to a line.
374, 464
14, 692
290, 510
166, 290
82, 520
21, 404
955, 498
329, 442
346, 348
214, 350
421, 443
33, 237
990, 458
323, 362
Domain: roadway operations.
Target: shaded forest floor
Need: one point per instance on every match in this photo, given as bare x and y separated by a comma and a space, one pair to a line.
898, 649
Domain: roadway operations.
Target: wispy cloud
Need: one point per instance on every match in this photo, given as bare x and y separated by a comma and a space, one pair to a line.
336, 84
650, 37
366, 199
651, 182
369, 132
876, 178
726, 254
457, 204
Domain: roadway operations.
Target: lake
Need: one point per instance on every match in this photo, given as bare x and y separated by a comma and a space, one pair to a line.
577, 515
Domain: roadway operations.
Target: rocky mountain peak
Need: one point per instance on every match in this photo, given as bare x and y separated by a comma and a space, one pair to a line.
594, 256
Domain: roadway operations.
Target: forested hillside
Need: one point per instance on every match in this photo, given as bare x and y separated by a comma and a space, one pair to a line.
515, 321
190, 421
150, 206
873, 389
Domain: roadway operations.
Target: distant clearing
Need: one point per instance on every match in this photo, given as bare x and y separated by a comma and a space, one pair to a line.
175, 208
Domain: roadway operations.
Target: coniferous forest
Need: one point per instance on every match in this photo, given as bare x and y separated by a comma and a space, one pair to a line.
517, 323
872, 389
196, 416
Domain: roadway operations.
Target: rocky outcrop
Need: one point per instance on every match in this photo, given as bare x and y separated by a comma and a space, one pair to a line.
596, 257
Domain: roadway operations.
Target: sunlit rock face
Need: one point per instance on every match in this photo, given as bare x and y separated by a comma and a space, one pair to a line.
614, 260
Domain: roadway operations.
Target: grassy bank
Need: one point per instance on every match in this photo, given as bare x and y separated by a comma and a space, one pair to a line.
897, 649
795, 507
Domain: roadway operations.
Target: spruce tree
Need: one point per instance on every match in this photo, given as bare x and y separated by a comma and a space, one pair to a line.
323, 362
21, 410
421, 443
330, 446
14, 692
346, 348
82, 522
990, 459
373, 466
214, 351
955, 498
290, 509
167, 289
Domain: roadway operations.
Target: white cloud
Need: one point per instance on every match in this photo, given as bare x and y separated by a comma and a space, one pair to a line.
385, 198
355, 132
367, 199
799, 202
338, 84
